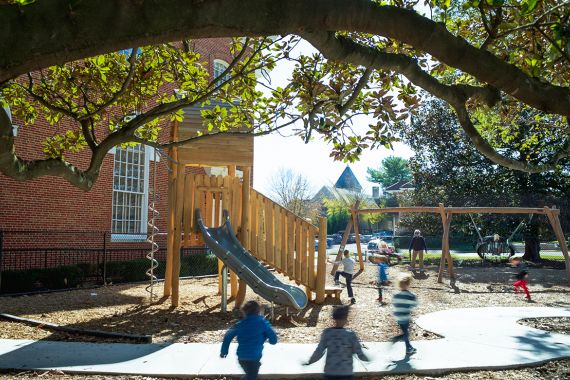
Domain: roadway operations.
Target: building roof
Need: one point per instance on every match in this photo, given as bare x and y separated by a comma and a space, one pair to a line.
399, 186
348, 181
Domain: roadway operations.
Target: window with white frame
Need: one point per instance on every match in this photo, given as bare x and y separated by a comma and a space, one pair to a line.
219, 68
130, 193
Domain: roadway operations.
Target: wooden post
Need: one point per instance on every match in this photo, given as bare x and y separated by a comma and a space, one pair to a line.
445, 254
244, 233
553, 217
321, 262
173, 153
177, 235
344, 240
229, 206
354, 215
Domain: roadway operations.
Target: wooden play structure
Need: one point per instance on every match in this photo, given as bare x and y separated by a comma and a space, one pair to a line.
271, 233
446, 213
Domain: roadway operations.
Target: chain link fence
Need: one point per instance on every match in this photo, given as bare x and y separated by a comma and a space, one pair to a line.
33, 261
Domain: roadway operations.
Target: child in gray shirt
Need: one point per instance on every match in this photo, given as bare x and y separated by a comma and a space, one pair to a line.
340, 345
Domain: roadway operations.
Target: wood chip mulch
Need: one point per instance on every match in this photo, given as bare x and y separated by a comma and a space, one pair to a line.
127, 309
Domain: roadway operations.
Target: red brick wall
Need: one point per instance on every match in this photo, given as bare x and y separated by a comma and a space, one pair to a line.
50, 203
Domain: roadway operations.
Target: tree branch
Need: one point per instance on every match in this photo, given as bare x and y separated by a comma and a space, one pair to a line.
21, 170
32, 45
359, 86
342, 49
130, 75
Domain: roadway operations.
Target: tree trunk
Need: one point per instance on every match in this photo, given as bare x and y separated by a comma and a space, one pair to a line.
532, 243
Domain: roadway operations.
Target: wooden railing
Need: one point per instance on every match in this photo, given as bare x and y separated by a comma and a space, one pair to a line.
277, 237
283, 240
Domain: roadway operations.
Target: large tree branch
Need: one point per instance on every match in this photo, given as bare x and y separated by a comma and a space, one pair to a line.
22, 170
51, 32
488, 151
343, 49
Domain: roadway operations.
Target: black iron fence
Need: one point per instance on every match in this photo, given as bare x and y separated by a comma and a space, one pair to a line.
47, 260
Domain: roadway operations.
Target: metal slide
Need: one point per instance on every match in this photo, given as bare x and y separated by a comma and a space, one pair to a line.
224, 244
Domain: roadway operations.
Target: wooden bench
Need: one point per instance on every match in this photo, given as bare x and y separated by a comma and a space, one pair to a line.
333, 291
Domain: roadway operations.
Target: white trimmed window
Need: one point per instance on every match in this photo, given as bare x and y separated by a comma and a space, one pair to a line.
130, 193
219, 67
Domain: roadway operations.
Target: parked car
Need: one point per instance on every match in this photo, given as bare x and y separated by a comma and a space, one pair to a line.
379, 246
383, 233
337, 238
329, 243
352, 238
366, 238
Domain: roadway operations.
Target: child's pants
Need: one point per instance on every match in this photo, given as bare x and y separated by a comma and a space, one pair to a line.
420, 255
404, 326
251, 368
522, 284
348, 277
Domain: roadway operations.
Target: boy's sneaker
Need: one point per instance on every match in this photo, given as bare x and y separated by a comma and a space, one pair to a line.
411, 351
337, 283
422, 270
352, 301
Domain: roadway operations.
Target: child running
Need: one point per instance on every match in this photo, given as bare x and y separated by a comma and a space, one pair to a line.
340, 344
403, 302
251, 332
521, 283
382, 262
347, 272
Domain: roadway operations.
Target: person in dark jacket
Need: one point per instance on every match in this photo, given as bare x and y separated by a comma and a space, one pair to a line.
251, 332
418, 246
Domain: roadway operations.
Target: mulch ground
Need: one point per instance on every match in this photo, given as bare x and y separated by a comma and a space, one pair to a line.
127, 309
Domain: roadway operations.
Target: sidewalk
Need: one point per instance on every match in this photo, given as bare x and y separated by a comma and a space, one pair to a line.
481, 338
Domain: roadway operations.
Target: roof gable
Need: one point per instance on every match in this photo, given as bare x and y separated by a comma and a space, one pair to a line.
348, 181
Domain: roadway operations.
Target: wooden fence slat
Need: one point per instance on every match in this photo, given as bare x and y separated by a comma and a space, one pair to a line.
269, 225
261, 227
253, 223
278, 218
304, 250
284, 241
298, 250
209, 201
188, 209
291, 246
311, 259
199, 202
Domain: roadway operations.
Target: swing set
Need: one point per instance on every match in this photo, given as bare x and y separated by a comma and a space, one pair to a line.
486, 245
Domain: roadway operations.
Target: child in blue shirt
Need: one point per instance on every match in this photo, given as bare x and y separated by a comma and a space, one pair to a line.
382, 262
251, 332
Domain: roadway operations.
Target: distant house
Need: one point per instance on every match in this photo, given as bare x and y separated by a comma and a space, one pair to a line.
399, 187
346, 189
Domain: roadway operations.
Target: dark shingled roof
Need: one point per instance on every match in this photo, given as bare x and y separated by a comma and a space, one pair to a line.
348, 181
400, 185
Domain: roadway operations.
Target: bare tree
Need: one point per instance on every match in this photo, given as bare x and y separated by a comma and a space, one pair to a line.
294, 192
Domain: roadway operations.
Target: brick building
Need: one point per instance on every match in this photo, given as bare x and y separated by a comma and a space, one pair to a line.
113, 214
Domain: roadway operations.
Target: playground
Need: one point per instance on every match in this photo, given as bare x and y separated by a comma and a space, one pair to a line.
267, 253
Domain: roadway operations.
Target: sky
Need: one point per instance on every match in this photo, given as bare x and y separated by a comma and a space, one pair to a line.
312, 159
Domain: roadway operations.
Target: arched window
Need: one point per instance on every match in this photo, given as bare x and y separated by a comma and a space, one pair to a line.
219, 68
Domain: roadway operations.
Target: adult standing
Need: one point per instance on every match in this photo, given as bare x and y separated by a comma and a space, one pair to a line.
417, 249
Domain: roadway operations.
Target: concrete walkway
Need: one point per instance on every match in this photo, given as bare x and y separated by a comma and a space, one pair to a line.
480, 338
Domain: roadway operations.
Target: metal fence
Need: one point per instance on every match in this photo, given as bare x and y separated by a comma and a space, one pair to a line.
47, 260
